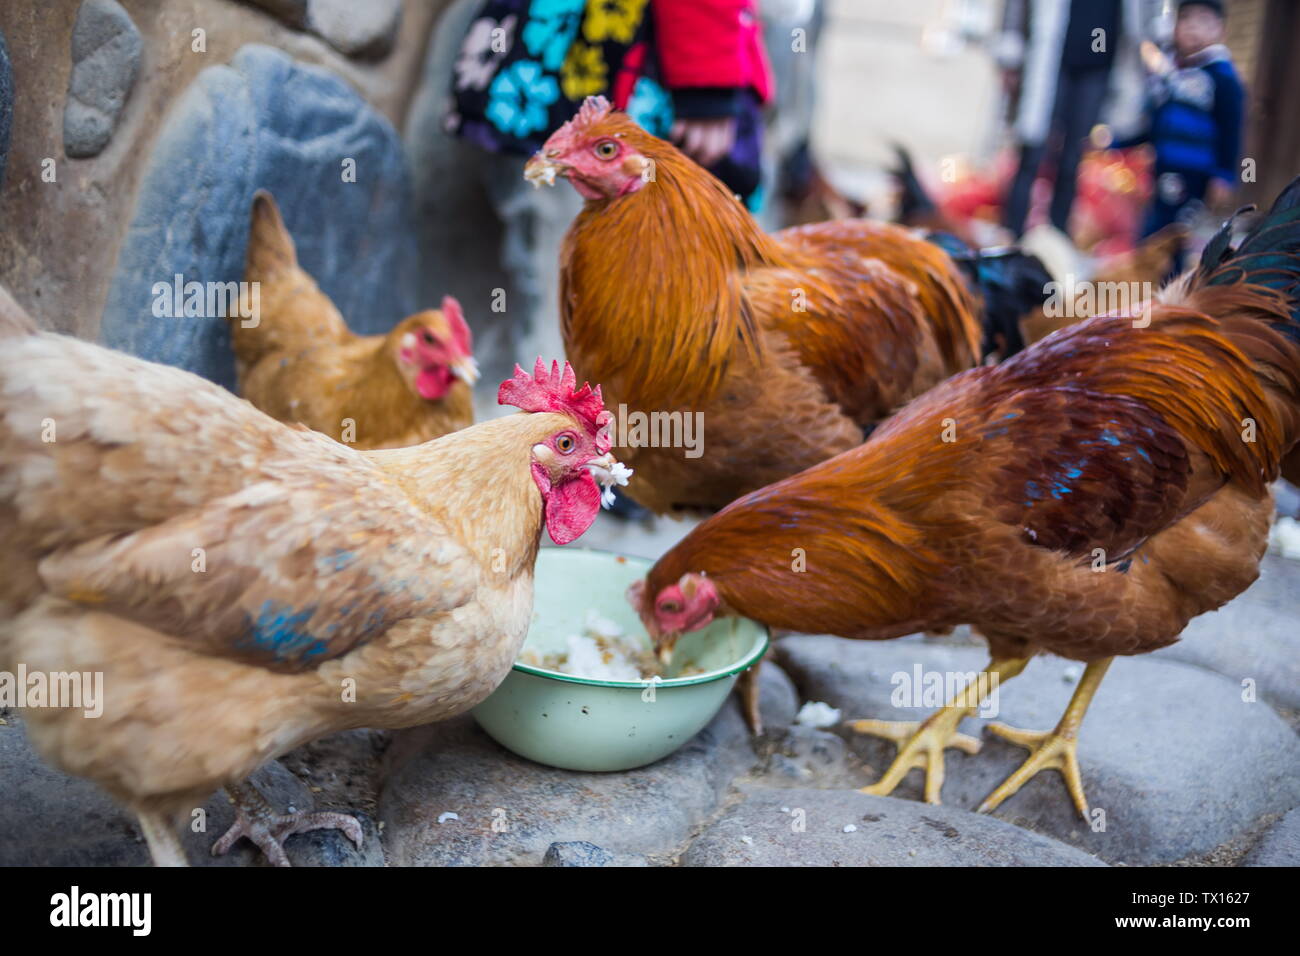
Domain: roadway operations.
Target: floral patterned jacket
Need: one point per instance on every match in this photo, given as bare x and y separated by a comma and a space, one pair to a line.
525, 66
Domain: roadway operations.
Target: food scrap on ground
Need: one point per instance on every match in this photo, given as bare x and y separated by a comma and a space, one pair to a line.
818, 715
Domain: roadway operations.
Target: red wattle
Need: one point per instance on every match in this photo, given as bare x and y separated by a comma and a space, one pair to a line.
433, 383
571, 508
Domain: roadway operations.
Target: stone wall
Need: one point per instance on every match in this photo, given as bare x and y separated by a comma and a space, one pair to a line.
138, 131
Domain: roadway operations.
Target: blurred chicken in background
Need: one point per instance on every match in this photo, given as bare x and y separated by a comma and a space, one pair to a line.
299, 362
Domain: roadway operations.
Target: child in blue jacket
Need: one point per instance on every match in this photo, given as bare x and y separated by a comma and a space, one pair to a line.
1196, 108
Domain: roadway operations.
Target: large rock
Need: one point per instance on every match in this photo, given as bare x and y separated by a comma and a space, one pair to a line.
6, 105
577, 853
264, 121
1172, 754
1286, 497
847, 828
48, 818
778, 698
106, 50
364, 30
1255, 637
801, 757
511, 811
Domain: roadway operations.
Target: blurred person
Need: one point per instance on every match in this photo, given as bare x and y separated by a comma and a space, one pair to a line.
1195, 112
1066, 65
692, 71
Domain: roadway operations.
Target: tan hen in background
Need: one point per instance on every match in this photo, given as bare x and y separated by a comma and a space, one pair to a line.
298, 362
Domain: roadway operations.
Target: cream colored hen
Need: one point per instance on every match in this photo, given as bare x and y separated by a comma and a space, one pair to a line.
246, 586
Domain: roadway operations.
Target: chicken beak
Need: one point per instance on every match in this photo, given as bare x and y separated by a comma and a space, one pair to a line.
465, 369
609, 471
664, 650
664, 642
541, 170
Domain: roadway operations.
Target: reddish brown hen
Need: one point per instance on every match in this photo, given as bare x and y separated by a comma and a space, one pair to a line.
1086, 498
788, 345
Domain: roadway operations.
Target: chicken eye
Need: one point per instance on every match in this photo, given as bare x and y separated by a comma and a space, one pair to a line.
428, 337
607, 149
565, 444
669, 607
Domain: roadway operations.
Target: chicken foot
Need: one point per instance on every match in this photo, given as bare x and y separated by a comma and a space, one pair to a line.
258, 821
1054, 750
922, 745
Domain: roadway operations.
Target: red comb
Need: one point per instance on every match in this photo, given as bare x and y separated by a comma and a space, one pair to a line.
593, 110
556, 391
456, 321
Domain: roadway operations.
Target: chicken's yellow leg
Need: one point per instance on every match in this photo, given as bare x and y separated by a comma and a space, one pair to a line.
922, 745
1055, 750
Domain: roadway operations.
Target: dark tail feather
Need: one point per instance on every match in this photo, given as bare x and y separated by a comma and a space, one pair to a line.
1267, 256
1012, 283
1253, 288
913, 199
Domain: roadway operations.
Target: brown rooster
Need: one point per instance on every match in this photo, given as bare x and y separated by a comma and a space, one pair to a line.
299, 363
1087, 498
787, 345
245, 586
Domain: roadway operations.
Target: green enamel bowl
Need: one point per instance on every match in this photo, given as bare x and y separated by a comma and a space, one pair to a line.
580, 724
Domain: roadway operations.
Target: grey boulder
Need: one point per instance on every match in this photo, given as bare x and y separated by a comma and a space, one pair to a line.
263, 121
453, 797
48, 818
1280, 845
106, 49
1254, 637
847, 828
1174, 761
363, 30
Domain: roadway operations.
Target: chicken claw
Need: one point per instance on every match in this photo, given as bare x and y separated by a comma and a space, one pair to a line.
922, 745
256, 820
1048, 751
919, 745
1057, 750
